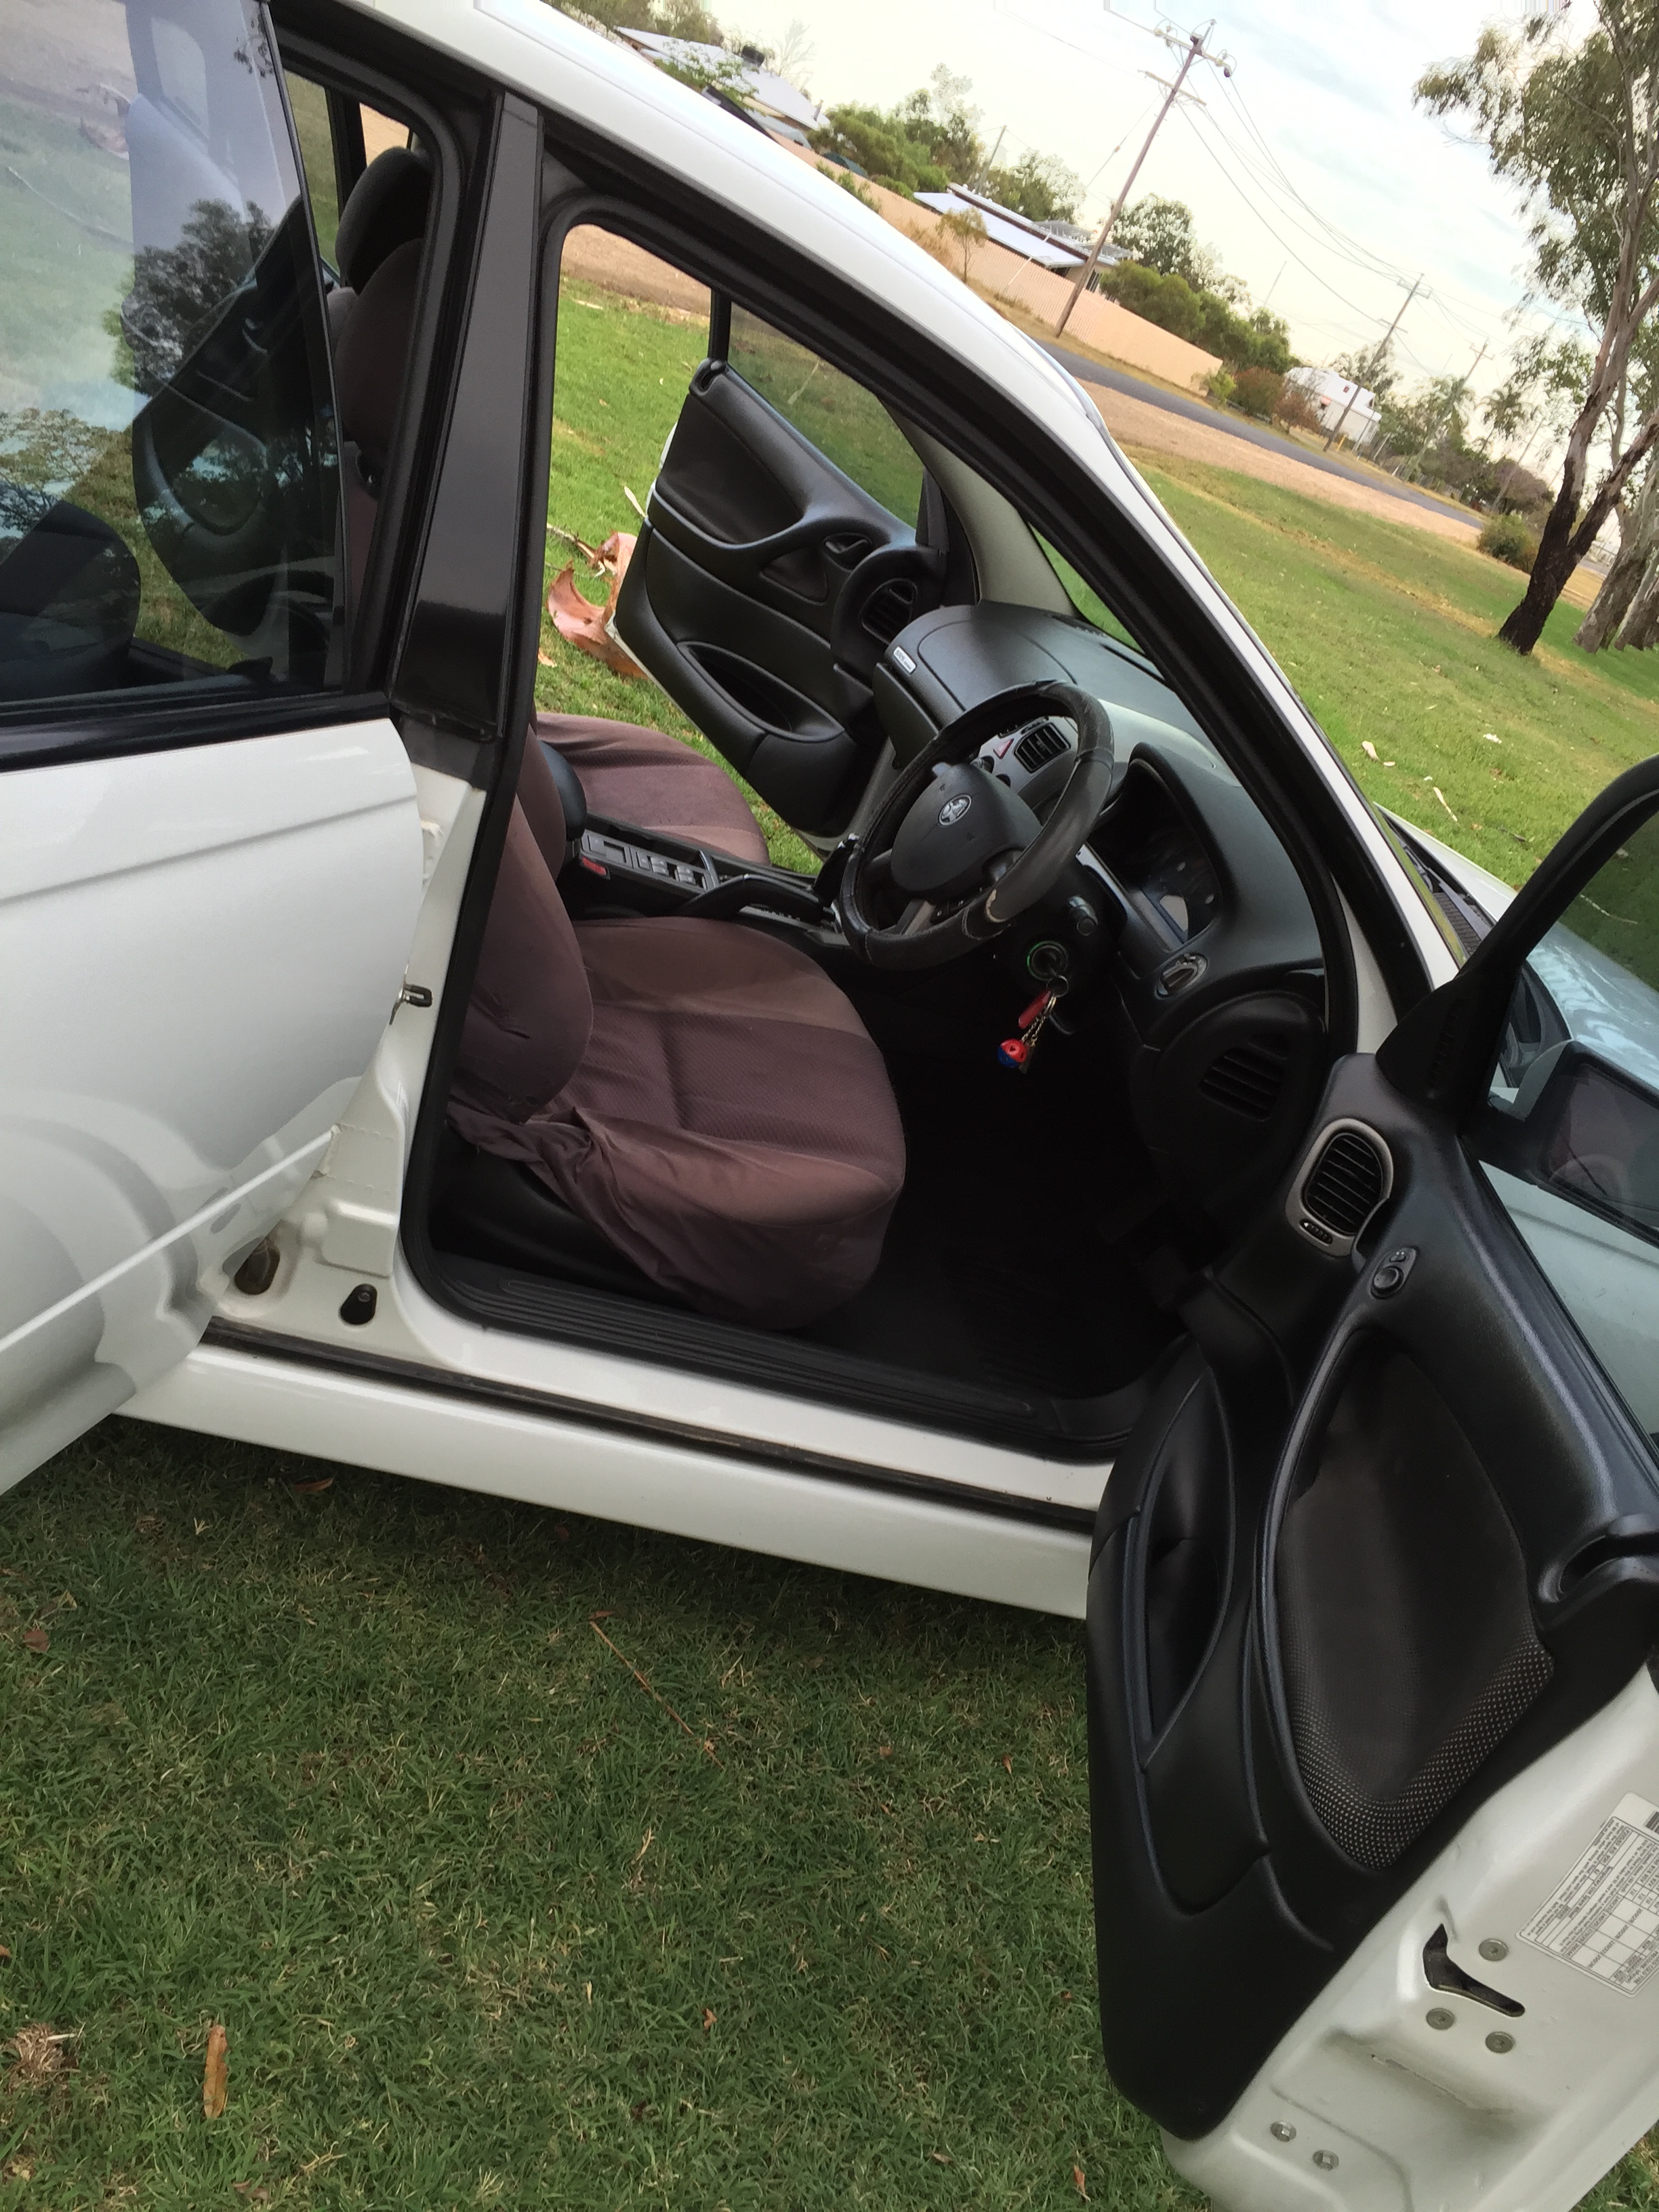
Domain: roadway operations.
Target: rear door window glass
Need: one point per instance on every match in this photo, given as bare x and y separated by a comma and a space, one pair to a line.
168, 474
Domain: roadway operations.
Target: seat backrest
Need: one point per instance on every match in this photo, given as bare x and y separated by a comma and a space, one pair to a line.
531, 1013
385, 209
371, 317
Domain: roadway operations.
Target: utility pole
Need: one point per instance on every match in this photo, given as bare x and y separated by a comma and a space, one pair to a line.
985, 167
1388, 338
1194, 52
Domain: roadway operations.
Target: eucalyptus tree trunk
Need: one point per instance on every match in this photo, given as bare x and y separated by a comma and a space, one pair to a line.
1638, 540
1640, 627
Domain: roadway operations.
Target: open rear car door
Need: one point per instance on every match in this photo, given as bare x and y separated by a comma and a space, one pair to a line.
767, 582
1373, 1734
208, 875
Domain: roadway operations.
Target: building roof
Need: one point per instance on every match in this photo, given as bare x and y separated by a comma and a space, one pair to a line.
764, 89
1003, 226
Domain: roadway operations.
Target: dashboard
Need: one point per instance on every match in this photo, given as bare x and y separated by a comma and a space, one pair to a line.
1217, 963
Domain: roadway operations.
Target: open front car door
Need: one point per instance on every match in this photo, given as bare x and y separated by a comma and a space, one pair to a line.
1374, 1733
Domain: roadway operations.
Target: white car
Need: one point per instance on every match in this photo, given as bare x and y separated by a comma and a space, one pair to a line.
1127, 1177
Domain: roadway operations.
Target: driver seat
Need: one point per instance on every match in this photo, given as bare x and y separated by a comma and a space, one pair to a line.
699, 1093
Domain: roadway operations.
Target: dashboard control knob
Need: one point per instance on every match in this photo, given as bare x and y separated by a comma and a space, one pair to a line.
1084, 919
1391, 1272
1186, 968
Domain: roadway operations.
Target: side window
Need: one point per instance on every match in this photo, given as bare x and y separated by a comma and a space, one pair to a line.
312, 127
168, 475
334, 148
1571, 1137
849, 425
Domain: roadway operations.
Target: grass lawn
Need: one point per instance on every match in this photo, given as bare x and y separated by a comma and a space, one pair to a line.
1387, 633
351, 1769
352, 1773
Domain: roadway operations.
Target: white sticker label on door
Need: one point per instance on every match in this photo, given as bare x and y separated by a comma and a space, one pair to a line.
1604, 1918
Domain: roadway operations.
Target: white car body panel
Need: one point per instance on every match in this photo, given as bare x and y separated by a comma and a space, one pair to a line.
1416, 2119
198, 951
580, 1466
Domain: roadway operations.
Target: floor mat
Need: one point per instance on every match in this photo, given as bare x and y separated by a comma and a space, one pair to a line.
997, 1268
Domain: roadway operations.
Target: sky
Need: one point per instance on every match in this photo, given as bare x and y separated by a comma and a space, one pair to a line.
1323, 93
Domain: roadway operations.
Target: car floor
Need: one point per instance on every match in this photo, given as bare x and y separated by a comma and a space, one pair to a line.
1005, 1265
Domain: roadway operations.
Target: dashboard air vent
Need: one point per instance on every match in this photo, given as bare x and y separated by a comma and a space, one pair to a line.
1248, 1078
1346, 1183
889, 607
1040, 746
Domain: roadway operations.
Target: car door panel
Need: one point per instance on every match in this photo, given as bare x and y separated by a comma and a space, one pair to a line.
1371, 1557
753, 540
198, 949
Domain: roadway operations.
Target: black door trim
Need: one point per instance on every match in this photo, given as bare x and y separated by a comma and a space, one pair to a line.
407, 1374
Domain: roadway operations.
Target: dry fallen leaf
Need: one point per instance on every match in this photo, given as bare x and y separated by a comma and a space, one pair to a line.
582, 625
310, 1489
1368, 749
940, 2158
708, 2019
5, 1951
39, 2054
1007, 1762
36, 1639
216, 2075
1077, 2183
884, 1750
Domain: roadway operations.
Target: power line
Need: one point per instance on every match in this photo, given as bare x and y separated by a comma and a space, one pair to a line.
1195, 51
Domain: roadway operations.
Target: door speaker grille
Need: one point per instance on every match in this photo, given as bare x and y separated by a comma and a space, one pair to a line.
1249, 1078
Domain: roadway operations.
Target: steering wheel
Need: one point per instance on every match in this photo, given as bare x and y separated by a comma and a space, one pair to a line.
958, 855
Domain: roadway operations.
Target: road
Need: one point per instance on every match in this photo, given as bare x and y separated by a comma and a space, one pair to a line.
1213, 418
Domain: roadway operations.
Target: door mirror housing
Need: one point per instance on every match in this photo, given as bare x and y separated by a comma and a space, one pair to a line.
1443, 1053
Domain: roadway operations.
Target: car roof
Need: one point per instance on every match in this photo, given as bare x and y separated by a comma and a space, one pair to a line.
608, 87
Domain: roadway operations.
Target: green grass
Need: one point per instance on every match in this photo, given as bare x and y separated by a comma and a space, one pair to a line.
353, 1774
1389, 634
310, 105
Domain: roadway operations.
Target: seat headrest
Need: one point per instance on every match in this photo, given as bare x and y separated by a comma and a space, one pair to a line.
373, 351
385, 209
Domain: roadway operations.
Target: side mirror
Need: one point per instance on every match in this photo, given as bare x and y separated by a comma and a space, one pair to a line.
1595, 899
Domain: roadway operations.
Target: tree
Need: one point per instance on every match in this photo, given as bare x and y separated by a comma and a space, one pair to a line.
1039, 186
1371, 367
874, 143
938, 116
1161, 234
677, 19
930, 140
1577, 129
795, 52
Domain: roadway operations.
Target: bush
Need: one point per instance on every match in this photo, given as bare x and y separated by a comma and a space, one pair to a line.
1258, 392
1507, 539
1220, 387
1295, 408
